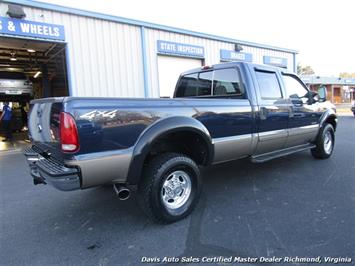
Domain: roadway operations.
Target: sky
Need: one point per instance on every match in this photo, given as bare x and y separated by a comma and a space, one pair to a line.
323, 31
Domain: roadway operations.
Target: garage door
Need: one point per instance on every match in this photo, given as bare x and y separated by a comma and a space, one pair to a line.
170, 69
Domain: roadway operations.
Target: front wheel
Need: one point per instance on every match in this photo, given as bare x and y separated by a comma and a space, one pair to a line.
170, 187
324, 143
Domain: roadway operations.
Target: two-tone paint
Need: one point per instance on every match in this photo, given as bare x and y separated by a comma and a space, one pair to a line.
116, 134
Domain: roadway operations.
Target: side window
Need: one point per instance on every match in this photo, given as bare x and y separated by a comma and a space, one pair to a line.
205, 83
294, 88
187, 86
226, 82
196, 84
268, 85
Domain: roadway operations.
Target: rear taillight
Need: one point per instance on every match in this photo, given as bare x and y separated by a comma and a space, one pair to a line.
69, 139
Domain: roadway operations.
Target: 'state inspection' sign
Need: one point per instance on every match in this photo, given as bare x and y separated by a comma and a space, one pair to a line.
180, 49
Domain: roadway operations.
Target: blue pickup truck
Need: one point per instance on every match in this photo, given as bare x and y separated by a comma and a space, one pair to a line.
156, 146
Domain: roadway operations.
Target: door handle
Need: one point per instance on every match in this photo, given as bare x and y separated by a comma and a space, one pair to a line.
292, 112
263, 113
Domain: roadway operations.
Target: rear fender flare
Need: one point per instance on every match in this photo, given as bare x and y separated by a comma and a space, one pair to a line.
158, 129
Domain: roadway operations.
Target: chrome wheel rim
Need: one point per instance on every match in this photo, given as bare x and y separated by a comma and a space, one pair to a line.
176, 190
328, 142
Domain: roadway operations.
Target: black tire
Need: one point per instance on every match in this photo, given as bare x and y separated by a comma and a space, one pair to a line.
156, 174
326, 134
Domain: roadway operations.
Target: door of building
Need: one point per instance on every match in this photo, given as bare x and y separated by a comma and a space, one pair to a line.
170, 68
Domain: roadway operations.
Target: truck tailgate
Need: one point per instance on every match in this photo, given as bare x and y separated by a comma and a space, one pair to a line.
43, 125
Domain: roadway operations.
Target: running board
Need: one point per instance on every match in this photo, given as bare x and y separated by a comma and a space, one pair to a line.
279, 153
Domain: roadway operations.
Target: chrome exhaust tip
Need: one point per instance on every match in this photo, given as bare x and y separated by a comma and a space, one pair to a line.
123, 193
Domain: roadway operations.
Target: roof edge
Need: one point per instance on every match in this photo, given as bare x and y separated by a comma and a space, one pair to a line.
92, 14
314, 79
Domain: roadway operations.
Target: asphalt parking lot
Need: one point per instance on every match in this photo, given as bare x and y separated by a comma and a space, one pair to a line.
292, 206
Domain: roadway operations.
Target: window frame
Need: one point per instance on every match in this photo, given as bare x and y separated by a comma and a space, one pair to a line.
233, 96
277, 79
198, 73
298, 79
244, 96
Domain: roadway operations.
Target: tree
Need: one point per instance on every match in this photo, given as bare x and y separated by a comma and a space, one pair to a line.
304, 70
347, 75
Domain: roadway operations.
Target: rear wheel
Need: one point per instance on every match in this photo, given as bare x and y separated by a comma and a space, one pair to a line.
324, 143
170, 187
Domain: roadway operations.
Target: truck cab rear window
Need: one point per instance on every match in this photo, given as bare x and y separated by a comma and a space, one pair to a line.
197, 84
217, 83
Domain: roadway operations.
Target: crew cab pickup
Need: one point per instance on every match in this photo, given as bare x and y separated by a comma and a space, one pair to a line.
219, 113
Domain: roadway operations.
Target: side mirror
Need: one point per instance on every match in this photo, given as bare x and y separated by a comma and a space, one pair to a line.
296, 101
322, 92
313, 97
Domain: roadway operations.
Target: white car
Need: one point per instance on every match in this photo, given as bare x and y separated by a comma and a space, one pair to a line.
15, 83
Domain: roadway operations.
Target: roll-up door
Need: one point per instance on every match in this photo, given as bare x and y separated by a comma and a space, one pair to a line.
170, 68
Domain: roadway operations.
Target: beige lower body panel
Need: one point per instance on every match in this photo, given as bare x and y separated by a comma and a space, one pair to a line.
103, 167
301, 135
230, 148
271, 141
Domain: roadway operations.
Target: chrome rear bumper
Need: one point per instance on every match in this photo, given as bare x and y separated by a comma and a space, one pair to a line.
47, 170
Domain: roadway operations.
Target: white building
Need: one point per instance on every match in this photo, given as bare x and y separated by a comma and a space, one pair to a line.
83, 53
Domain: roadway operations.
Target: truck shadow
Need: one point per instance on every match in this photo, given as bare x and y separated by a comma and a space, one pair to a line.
234, 217
227, 188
